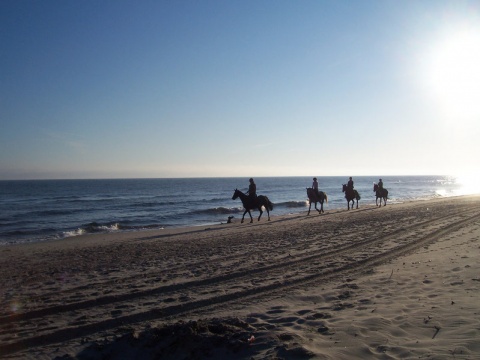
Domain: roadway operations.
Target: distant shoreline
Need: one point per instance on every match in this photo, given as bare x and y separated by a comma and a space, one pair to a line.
189, 230
58, 209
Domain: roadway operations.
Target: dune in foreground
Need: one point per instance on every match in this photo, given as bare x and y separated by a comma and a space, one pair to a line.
395, 282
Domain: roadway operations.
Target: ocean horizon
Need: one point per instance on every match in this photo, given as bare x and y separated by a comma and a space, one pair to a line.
39, 210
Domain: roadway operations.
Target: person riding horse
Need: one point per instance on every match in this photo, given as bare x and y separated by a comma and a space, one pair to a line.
380, 193
380, 184
261, 201
350, 187
252, 192
315, 186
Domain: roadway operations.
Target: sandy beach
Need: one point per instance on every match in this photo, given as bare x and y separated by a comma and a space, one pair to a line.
395, 282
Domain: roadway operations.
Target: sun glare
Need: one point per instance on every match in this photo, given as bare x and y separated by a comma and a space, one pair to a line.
453, 74
468, 184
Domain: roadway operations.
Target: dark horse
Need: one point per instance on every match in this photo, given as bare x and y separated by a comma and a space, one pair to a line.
312, 197
380, 194
351, 196
248, 204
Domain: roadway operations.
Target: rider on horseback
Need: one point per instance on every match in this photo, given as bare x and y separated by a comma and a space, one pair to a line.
315, 186
380, 192
380, 185
252, 192
350, 187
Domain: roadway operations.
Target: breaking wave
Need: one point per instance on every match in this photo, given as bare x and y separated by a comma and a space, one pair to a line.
94, 228
292, 204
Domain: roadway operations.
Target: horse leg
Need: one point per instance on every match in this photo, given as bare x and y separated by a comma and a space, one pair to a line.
348, 204
268, 212
261, 212
251, 218
357, 204
309, 207
243, 217
316, 207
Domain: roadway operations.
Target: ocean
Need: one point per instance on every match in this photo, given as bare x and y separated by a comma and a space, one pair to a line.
39, 210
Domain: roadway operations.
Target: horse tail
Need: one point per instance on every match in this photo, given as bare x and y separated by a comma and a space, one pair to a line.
358, 195
265, 201
326, 197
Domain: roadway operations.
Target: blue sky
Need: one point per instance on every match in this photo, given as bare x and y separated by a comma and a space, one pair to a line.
107, 89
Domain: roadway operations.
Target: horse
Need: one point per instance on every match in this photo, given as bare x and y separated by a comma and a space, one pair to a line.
248, 205
380, 194
351, 196
312, 197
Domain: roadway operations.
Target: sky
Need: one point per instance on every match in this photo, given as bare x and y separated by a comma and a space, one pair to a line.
141, 89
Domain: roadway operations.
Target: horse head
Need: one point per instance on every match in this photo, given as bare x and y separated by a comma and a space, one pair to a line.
236, 193
375, 187
344, 188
